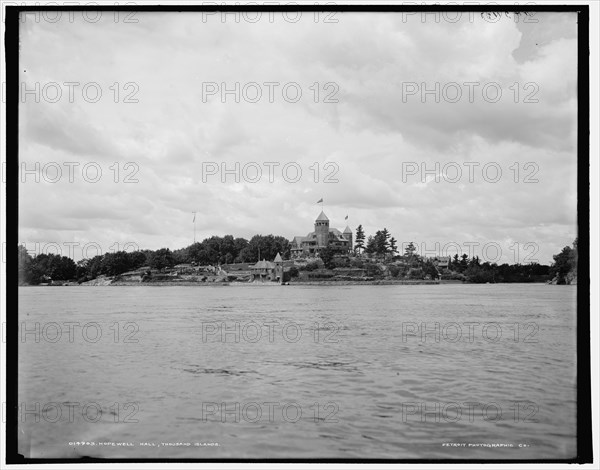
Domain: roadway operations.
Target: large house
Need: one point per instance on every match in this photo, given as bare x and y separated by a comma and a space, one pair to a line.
267, 270
322, 237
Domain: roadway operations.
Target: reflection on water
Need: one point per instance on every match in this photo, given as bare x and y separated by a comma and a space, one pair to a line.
298, 372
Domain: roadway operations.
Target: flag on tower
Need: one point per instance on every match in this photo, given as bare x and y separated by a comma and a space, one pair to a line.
194, 217
346, 218
320, 201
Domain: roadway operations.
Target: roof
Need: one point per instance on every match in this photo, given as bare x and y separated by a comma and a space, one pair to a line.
322, 217
347, 230
278, 259
312, 236
298, 239
263, 265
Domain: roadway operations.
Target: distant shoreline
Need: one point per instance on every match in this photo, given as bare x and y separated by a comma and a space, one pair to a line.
381, 282
233, 283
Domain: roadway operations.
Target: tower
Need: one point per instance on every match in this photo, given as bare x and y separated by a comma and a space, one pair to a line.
348, 236
278, 268
322, 230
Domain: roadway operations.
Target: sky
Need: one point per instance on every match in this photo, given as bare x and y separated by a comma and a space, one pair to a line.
449, 132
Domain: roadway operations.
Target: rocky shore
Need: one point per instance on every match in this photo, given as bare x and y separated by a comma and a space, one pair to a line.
374, 282
107, 281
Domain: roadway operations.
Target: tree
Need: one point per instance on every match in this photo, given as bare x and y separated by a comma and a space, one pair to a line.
265, 246
280, 245
464, 263
82, 273
479, 274
564, 263
197, 254
326, 255
385, 235
381, 241
430, 269
455, 262
248, 254
137, 259
94, 267
574, 256
68, 268
371, 247
52, 267
228, 250
182, 255
393, 246
359, 244
25, 266
115, 263
410, 252
161, 259
474, 261
240, 244
212, 246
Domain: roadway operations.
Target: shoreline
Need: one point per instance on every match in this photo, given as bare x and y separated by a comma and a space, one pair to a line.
233, 283
381, 282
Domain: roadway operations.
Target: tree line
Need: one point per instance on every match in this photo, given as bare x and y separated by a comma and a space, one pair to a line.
211, 251
411, 265
564, 267
217, 250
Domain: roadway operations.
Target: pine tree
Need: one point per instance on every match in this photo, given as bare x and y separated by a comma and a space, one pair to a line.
381, 241
410, 251
386, 243
393, 246
360, 239
371, 245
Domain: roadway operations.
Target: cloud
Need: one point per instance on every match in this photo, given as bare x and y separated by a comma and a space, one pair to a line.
156, 124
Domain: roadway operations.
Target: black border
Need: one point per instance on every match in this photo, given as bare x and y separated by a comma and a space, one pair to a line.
584, 410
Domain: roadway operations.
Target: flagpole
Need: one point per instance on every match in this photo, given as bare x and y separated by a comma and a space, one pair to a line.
194, 225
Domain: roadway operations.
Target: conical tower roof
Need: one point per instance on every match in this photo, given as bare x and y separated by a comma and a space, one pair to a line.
347, 230
278, 259
322, 217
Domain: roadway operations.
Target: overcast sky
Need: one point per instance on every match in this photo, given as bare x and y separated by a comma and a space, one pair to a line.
370, 123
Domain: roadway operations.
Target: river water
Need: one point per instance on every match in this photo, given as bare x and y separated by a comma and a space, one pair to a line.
272, 372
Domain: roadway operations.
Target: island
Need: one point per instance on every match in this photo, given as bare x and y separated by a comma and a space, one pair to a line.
324, 256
